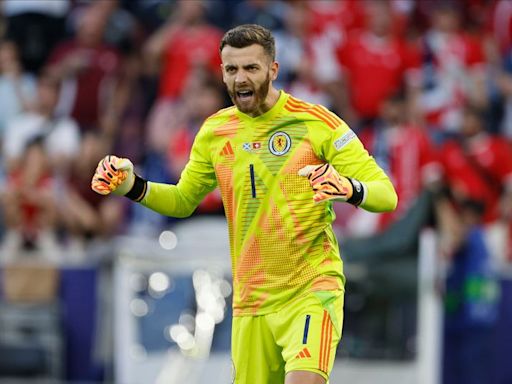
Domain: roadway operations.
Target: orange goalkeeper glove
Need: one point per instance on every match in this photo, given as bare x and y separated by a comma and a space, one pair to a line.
328, 184
115, 175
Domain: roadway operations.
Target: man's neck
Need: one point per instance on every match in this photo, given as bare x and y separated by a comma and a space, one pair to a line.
270, 101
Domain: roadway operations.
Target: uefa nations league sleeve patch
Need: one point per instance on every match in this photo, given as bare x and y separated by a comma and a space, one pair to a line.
346, 138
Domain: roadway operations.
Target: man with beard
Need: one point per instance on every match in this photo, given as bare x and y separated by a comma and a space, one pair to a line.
276, 160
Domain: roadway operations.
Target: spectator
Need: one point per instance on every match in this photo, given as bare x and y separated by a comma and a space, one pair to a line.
487, 91
183, 51
88, 68
478, 167
407, 155
330, 22
85, 216
471, 302
121, 29
150, 14
199, 102
267, 13
451, 60
29, 203
36, 27
300, 56
17, 88
185, 46
291, 43
336, 19
375, 62
60, 135
133, 100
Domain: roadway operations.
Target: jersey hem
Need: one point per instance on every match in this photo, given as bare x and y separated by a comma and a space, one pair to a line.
244, 313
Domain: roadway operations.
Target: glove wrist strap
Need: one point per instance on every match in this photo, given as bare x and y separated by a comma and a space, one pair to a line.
138, 190
357, 192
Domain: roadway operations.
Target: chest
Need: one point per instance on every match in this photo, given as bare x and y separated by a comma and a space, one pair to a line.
270, 151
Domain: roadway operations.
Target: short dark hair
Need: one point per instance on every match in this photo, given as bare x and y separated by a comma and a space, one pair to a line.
248, 34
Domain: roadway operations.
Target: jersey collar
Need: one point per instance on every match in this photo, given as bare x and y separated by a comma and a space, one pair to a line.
272, 112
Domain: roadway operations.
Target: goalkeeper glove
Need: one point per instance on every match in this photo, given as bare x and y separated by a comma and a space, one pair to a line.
115, 175
328, 184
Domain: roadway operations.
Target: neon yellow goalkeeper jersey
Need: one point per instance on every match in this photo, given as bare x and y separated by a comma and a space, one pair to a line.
282, 243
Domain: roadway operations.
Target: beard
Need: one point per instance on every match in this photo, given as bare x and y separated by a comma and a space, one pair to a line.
253, 105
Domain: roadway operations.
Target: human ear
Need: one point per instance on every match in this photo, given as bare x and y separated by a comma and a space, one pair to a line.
274, 69
223, 73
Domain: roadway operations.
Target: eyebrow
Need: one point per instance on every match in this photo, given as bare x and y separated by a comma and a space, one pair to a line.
229, 66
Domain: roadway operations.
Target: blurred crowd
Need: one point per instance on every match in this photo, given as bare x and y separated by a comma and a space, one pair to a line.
426, 84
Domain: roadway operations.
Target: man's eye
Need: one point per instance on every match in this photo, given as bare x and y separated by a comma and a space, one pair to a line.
230, 70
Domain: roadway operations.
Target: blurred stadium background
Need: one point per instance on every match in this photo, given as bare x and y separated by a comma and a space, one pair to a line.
100, 290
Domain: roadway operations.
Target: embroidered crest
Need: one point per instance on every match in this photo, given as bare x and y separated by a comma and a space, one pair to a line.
279, 143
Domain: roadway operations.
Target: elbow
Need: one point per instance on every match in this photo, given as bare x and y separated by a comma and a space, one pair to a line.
386, 201
392, 202
184, 213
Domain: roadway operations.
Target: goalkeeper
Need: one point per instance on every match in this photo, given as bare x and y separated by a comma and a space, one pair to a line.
280, 163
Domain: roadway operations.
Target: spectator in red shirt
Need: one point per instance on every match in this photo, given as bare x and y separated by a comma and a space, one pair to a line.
375, 61
405, 151
183, 48
336, 18
451, 61
29, 205
407, 155
478, 166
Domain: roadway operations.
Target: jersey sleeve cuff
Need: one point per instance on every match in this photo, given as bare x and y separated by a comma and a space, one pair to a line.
139, 189
358, 193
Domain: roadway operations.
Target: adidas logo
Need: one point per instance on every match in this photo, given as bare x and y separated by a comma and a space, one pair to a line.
227, 150
304, 354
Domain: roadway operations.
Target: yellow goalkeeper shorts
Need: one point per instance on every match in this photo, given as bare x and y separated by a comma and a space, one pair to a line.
302, 336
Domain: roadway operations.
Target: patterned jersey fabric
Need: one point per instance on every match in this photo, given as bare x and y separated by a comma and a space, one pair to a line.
282, 243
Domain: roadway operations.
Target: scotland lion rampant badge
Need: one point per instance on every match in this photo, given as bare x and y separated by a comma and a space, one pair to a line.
279, 143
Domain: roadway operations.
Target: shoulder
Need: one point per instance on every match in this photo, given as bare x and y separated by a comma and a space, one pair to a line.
313, 112
223, 120
221, 116
228, 111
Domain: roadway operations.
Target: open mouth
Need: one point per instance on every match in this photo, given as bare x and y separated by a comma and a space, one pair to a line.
244, 95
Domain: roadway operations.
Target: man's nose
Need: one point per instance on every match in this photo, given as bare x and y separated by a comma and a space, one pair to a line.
241, 77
